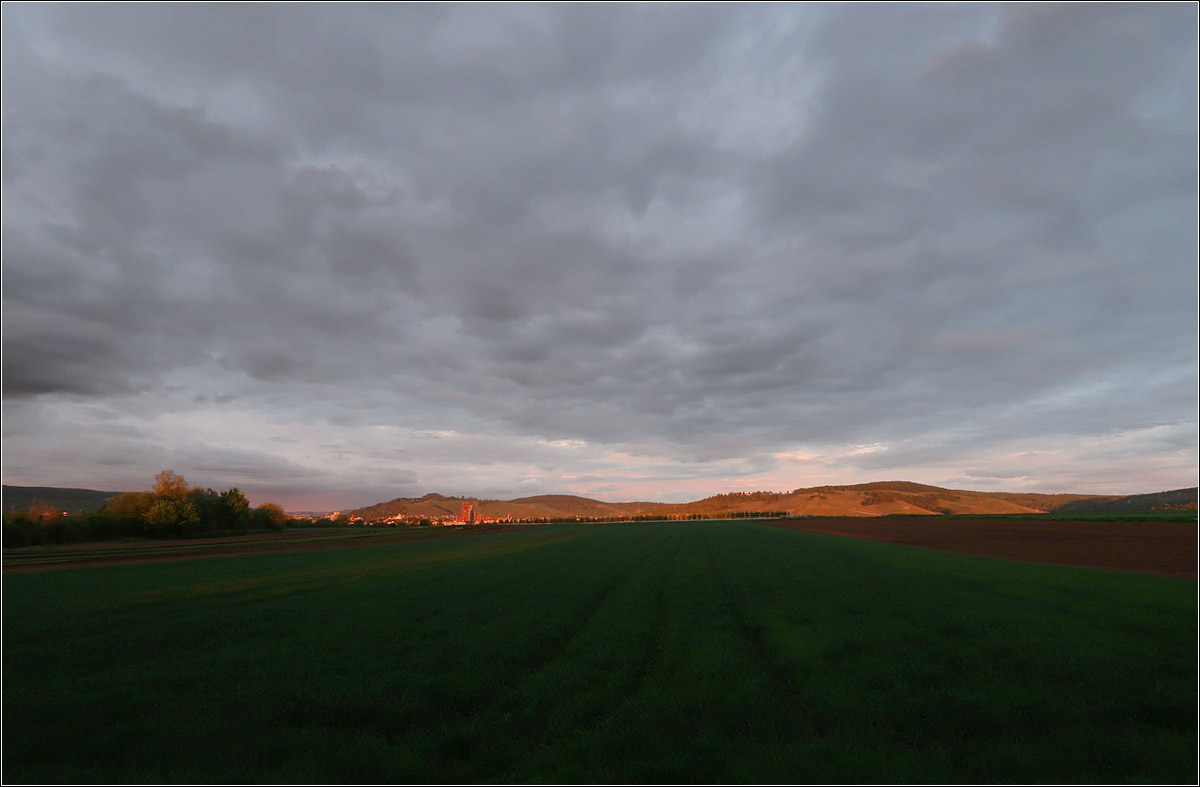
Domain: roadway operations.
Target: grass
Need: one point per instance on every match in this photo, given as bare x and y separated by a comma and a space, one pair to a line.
675, 652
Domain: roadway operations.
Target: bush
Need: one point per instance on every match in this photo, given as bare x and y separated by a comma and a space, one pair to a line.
64, 530
171, 517
44, 512
130, 505
105, 526
21, 531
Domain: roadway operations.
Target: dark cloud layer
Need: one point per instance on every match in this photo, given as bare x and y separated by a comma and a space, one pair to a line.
598, 248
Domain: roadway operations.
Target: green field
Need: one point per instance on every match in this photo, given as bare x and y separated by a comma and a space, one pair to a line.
691, 651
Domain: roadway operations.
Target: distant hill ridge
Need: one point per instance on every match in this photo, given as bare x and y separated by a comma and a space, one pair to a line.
20, 498
1175, 498
539, 506
871, 499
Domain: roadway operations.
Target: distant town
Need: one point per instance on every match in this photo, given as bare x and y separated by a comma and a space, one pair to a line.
467, 516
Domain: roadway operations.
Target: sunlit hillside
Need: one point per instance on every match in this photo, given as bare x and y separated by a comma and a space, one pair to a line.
873, 499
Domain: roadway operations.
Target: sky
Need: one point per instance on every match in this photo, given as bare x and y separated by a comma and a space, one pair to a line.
337, 254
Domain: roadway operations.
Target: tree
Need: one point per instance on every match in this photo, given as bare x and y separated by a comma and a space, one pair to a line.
166, 512
44, 512
131, 505
171, 485
235, 501
271, 516
235, 509
210, 510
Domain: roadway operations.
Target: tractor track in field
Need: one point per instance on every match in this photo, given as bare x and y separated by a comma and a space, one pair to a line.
560, 640
753, 636
301, 711
650, 645
650, 654
1166, 548
395, 726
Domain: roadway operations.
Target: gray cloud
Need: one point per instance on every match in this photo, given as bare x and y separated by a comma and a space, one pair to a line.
704, 234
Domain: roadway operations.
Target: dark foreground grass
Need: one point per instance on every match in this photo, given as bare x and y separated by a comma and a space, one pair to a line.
692, 652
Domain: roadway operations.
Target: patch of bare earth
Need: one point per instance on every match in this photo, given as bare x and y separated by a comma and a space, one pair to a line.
1167, 548
25, 560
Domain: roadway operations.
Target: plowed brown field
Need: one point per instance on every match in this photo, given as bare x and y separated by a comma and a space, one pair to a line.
1148, 547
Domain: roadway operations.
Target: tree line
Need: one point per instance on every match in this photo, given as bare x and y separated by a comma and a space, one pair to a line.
171, 509
673, 517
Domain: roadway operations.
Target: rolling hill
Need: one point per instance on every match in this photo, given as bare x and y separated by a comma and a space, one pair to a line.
1175, 498
873, 499
886, 497
869, 500
541, 506
20, 498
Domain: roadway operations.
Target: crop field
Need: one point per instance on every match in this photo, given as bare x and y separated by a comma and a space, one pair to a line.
666, 652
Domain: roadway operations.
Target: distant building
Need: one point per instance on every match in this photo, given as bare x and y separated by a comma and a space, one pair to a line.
468, 514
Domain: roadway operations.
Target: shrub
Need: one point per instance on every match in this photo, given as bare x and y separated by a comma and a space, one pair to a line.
133, 505
20, 530
44, 512
171, 517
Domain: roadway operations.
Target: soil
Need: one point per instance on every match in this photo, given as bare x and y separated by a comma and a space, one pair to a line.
1167, 548
121, 553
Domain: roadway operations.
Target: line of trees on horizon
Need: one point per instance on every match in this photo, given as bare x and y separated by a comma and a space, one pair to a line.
661, 517
171, 509
673, 516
